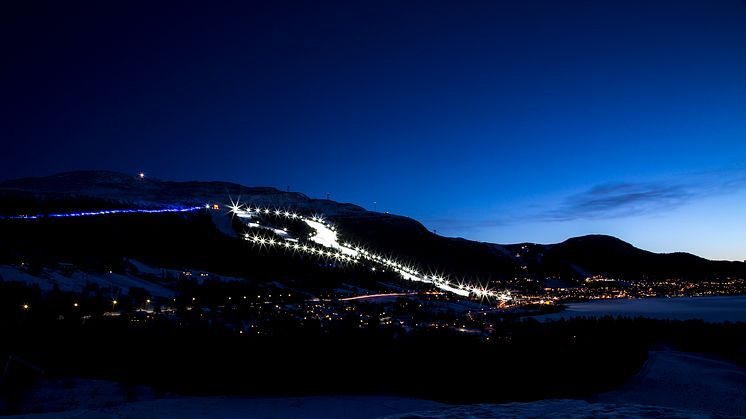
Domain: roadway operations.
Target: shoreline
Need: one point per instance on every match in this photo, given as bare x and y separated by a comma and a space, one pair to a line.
713, 309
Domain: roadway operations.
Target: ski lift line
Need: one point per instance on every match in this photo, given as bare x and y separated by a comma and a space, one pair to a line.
326, 236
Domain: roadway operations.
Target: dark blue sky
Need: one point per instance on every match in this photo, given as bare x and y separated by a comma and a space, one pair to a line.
503, 121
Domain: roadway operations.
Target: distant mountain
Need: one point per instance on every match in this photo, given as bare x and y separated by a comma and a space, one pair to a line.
396, 236
611, 257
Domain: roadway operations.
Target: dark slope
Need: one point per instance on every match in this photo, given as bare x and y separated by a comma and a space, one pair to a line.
404, 237
609, 256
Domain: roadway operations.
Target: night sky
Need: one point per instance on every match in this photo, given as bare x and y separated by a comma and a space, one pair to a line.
502, 121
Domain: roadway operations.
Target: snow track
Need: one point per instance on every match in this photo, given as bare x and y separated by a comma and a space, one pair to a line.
326, 244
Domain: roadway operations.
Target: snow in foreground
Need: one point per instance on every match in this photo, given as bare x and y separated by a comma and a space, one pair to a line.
552, 409
670, 385
364, 407
331, 407
685, 380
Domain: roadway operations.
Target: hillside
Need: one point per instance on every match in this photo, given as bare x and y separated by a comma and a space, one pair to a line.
399, 237
611, 257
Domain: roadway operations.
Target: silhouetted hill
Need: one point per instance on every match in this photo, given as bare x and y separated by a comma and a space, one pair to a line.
613, 257
120, 187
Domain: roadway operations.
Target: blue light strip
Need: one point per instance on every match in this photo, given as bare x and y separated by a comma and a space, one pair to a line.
104, 212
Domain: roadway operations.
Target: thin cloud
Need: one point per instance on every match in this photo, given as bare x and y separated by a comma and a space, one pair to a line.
628, 199
609, 201
621, 200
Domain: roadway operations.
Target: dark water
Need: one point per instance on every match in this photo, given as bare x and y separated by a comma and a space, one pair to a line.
711, 309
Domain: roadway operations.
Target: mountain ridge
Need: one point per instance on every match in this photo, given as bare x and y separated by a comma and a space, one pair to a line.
574, 258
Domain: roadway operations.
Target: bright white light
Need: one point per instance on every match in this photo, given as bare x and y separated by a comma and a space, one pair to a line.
446, 286
326, 236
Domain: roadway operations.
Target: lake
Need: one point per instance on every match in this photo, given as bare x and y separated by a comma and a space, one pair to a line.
711, 309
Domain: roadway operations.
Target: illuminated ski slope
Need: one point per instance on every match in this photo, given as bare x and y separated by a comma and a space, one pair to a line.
325, 235
324, 243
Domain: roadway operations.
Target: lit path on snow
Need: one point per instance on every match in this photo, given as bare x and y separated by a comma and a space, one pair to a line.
325, 235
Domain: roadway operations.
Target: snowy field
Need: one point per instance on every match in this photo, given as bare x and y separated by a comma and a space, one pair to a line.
77, 281
569, 409
670, 385
685, 380
711, 309
321, 407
